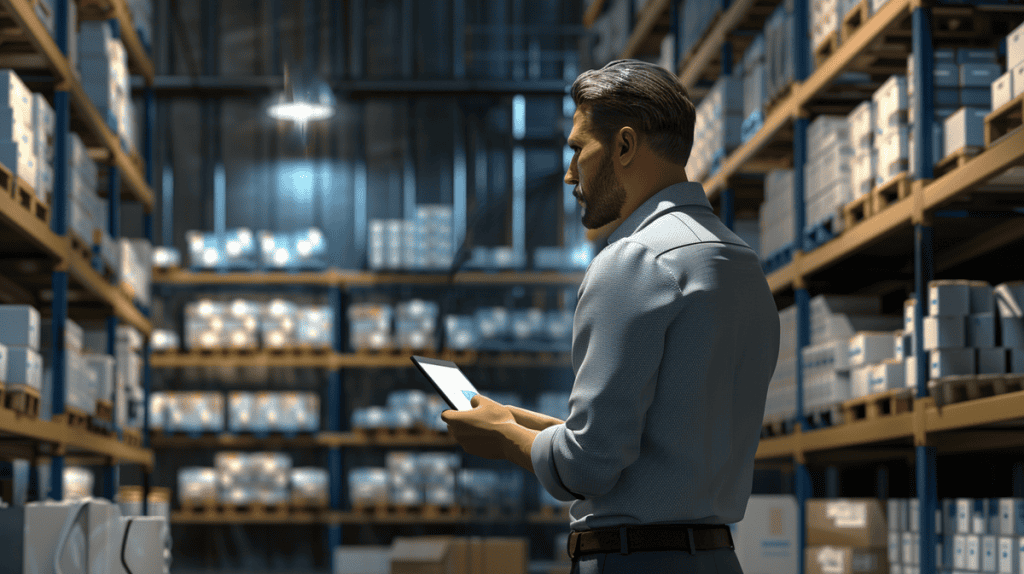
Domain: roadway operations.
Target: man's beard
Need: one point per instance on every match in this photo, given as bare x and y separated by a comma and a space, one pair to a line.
605, 197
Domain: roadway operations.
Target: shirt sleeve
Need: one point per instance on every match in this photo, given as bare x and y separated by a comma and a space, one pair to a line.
626, 303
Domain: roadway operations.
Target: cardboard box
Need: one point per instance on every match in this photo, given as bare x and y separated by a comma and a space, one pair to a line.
1008, 559
965, 128
887, 375
21, 326
979, 75
990, 361
1015, 47
24, 367
766, 538
944, 332
888, 100
948, 362
1016, 362
981, 330
895, 546
1002, 90
989, 552
949, 297
910, 557
362, 559
854, 522
1012, 332
972, 551
1011, 516
869, 348
845, 560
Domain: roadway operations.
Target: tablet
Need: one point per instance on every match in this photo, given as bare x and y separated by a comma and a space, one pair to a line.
451, 384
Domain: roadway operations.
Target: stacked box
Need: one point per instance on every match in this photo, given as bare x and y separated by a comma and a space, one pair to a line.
204, 324
416, 324
960, 332
278, 324
846, 535
194, 412
368, 486
197, 486
300, 250
754, 88
245, 478
892, 133
720, 121
825, 17
17, 136
315, 327
863, 169
79, 381
460, 332
781, 398
776, 213
135, 271
612, 29
44, 122
827, 173
434, 238
965, 128
695, 18
1009, 299
103, 65
166, 257
309, 487
370, 326
779, 54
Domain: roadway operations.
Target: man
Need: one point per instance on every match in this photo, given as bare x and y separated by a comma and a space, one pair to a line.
675, 338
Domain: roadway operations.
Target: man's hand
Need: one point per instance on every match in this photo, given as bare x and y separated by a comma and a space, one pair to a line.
490, 431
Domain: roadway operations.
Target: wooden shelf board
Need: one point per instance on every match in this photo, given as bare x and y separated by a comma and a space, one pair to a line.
60, 435
357, 440
228, 440
346, 278
593, 10
976, 413
220, 359
646, 19
693, 66
138, 60
122, 306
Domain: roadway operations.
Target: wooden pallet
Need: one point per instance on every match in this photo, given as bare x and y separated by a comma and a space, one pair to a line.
956, 389
383, 511
308, 503
74, 418
890, 192
418, 432
858, 210
824, 416
1006, 119
22, 399
132, 437
825, 49
26, 196
777, 427
956, 160
211, 508
299, 351
877, 405
854, 19
79, 246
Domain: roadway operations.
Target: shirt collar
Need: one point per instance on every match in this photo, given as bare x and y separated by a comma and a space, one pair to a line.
682, 193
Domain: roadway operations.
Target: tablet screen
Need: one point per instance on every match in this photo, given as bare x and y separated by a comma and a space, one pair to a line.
449, 381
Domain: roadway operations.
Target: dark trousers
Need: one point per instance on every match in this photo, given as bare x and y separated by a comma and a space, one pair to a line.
722, 561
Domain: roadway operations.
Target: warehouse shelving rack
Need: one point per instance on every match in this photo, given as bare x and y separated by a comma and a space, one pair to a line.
990, 423
59, 273
337, 283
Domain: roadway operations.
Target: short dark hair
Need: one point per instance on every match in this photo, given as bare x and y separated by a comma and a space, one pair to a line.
644, 96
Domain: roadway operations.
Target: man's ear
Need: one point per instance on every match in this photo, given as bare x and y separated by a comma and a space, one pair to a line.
626, 144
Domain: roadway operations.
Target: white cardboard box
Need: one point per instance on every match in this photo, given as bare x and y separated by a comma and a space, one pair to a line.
960, 551
981, 330
944, 332
964, 128
1015, 47
1018, 80
1012, 332
982, 298
868, 348
973, 551
1011, 516
989, 553
948, 362
24, 367
949, 298
888, 101
910, 372
21, 326
907, 549
1008, 558
1016, 362
991, 361
1002, 90
766, 538
860, 381
887, 375
1009, 298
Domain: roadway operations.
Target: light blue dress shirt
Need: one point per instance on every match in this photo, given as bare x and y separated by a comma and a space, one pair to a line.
675, 338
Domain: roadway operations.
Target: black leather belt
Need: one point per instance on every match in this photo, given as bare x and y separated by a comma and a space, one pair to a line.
648, 538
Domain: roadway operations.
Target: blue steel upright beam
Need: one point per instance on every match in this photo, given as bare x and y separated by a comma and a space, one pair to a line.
801, 49
335, 411
925, 477
924, 109
59, 225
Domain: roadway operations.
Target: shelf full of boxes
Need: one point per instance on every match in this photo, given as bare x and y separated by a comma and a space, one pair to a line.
846, 191
74, 391
359, 329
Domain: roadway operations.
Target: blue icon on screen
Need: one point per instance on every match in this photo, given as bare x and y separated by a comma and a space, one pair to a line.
468, 394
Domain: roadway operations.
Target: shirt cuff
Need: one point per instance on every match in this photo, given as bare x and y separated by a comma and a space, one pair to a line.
544, 467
